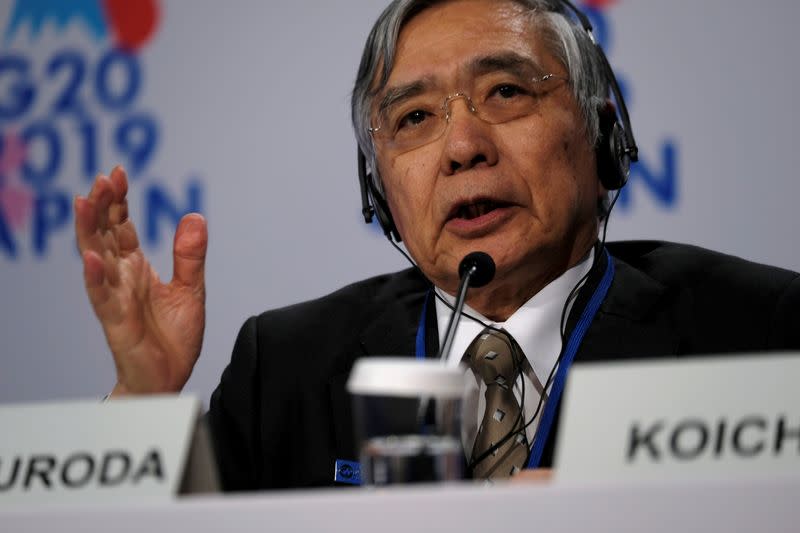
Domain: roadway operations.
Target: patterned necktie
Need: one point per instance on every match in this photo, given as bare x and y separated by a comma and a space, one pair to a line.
497, 359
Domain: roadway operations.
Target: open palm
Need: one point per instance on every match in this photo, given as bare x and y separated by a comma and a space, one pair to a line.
154, 329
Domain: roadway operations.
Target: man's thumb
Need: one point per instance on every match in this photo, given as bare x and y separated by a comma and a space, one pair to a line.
189, 250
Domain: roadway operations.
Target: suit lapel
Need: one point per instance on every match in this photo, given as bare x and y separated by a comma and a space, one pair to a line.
393, 330
637, 319
390, 329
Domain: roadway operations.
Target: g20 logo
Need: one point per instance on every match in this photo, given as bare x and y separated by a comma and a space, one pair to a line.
135, 136
61, 117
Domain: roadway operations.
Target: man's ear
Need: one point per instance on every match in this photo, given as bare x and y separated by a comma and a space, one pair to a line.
608, 107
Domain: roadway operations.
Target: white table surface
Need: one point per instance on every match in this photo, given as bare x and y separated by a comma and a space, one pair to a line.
647, 507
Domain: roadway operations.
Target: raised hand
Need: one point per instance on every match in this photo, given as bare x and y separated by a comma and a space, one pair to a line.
154, 329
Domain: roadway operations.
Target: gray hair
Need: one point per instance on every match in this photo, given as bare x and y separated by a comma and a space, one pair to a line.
567, 41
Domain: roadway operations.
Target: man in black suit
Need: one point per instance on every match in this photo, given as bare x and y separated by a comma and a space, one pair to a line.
484, 125
666, 300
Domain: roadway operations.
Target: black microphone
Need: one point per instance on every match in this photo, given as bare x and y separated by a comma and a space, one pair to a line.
475, 270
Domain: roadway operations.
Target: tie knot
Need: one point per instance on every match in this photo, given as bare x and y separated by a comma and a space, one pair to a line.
495, 357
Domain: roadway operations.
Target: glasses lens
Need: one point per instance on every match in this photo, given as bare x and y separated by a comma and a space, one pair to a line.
412, 123
498, 100
415, 121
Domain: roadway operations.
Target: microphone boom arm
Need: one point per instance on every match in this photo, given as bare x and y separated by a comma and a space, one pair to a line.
444, 352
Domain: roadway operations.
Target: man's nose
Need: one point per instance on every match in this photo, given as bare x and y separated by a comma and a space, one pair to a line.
468, 139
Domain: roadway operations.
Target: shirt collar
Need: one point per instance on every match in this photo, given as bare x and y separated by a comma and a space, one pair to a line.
536, 326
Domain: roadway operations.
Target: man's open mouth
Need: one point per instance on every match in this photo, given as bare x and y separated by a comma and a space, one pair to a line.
475, 209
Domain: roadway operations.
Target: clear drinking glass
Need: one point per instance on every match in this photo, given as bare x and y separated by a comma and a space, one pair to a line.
408, 420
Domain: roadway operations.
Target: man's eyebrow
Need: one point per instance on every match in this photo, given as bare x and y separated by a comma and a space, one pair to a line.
512, 62
393, 95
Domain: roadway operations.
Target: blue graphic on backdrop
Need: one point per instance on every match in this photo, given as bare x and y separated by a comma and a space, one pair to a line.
36, 13
50, 134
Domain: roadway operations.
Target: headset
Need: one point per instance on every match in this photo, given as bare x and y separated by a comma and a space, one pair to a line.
615, 151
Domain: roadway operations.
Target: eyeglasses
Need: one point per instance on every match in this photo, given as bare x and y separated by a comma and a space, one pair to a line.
411, 121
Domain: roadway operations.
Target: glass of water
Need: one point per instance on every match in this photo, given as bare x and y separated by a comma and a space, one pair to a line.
408, 420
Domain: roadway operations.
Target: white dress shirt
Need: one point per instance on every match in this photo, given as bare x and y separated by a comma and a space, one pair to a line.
536, 328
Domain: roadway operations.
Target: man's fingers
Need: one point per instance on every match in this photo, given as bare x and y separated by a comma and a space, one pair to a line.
127, 238
97, 275
119, 183
94, 275
85, 222
93, 269
101, 218
189, 255
103, 196
118, 211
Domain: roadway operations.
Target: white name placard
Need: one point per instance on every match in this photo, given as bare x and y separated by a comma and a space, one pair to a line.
735, 417
127, 450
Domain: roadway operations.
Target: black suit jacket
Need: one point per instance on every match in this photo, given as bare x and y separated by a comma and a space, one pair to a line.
281, 415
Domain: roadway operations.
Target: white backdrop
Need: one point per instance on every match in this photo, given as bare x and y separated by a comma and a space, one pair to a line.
240, 109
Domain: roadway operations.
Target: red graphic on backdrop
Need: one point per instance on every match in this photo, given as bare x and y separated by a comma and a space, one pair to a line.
132, 23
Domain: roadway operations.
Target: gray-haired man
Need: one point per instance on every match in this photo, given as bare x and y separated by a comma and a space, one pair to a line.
481, 123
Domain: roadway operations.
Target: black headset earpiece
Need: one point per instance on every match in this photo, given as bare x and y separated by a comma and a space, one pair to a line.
616, 148
613, 163
373, 204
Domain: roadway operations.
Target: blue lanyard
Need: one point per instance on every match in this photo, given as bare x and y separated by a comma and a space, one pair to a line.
421, 351
573, 344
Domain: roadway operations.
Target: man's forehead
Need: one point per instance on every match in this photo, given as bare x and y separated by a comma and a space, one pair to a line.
433, 76
511, 62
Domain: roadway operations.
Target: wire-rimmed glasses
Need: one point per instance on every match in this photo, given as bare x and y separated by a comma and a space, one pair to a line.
415, 117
